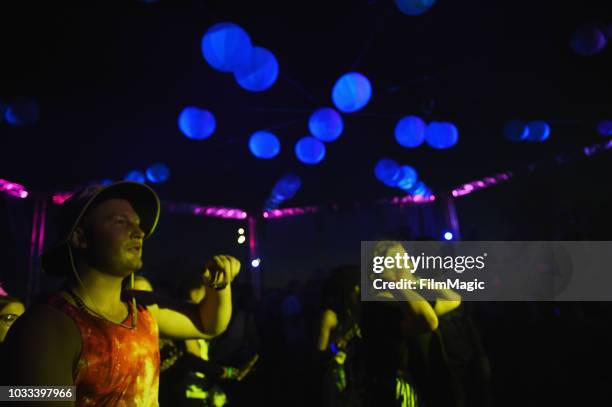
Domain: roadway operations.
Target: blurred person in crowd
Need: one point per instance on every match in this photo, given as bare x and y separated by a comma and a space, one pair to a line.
339, 338
11, 308
395, 363
189, 377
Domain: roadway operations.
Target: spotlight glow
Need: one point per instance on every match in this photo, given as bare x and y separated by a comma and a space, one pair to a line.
255, 262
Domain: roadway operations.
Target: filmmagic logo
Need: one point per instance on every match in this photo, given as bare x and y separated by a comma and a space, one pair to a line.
428, 284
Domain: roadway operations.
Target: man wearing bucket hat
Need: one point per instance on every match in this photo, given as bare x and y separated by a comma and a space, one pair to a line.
88, 335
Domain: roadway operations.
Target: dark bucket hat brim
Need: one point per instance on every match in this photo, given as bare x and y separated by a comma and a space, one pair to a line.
144, 200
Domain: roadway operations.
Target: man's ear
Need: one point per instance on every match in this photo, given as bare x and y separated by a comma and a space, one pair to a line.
78, 239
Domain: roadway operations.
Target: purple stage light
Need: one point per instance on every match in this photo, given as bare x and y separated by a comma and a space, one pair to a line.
470, 187
281, 213
61, 197
13, 189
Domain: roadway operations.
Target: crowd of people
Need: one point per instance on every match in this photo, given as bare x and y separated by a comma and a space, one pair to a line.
111, 332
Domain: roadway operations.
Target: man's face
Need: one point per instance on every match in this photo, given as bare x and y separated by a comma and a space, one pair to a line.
114, 238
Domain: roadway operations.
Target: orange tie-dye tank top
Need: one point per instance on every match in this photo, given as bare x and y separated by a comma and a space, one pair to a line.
117, 366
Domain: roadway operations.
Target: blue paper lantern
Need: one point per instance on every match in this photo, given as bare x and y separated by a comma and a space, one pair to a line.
605, 128
226, 47
22, 112
309, 150
388, 171
410, 131
286, 187
588, 40
441, 135
135, 176
414, 7
516, 130
196, 123
408, 177
538, 131
326, 124
260, 71
351, 92
158, 173
264, 144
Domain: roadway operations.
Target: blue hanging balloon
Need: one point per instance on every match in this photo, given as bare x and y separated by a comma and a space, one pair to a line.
351, 92
387, 171
226, 47
538, 131
410, 131
414, 7
516, 130
158, 173
196, 123
605, 128
22, 112
326, 124
259, 73
309, 150
588, 40
287, 187
441, 135
408, 177
264, 144
135, 176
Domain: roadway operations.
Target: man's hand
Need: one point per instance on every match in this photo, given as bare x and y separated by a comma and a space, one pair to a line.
220, 271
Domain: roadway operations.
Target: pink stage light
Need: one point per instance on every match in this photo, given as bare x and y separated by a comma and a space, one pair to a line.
13, 189
281, 213
61, 197
408, 199
218, 212
486, 182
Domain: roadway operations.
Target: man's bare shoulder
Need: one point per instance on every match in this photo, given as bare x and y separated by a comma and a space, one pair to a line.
42, 346
43, 317
42, 326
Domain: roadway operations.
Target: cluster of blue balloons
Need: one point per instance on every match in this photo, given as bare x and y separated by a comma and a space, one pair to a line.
351, 92
404, 177
518, 130
156, 173
227, 47
20, 112
284, 189
412, 131
325, 125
